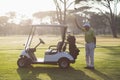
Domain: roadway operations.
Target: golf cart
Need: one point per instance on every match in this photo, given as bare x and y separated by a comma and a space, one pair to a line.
53, 55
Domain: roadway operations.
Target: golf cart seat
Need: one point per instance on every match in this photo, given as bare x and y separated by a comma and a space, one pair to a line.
53, 49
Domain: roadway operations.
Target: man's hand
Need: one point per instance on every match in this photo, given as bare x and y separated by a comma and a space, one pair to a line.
94, 45
94, 42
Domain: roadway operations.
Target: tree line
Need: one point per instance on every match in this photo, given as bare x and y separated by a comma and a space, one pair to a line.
103, 22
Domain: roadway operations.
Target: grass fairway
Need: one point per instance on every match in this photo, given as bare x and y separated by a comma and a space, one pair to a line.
107, 61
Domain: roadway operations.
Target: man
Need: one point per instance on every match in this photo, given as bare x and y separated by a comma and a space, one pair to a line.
90, 45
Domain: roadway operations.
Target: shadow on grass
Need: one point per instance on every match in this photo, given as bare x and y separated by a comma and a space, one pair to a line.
51, 73
101, 75
115, 50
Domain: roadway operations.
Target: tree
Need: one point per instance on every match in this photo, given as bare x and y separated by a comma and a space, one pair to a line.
118, 24
11, 16
61, 9
50, 15
3, 24
113, 14
40, 15
25, 26
111, 5
100, 24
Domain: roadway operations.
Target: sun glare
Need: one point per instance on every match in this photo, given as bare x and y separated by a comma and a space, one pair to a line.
26, 7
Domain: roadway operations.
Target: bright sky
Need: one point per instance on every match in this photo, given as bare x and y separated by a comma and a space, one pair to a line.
26, 7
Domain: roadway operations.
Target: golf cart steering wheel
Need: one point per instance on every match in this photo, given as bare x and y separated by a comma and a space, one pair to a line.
41, 41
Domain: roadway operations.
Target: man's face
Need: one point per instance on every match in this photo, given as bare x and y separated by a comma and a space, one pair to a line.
87, 28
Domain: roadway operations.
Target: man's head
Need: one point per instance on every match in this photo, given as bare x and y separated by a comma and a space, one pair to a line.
86, 26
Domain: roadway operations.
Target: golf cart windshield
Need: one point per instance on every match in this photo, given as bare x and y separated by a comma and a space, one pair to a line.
62, 29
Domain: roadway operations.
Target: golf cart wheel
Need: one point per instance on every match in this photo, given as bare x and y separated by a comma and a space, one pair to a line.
23, 62
64, 63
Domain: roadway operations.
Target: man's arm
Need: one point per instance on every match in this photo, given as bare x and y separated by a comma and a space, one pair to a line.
78, 26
